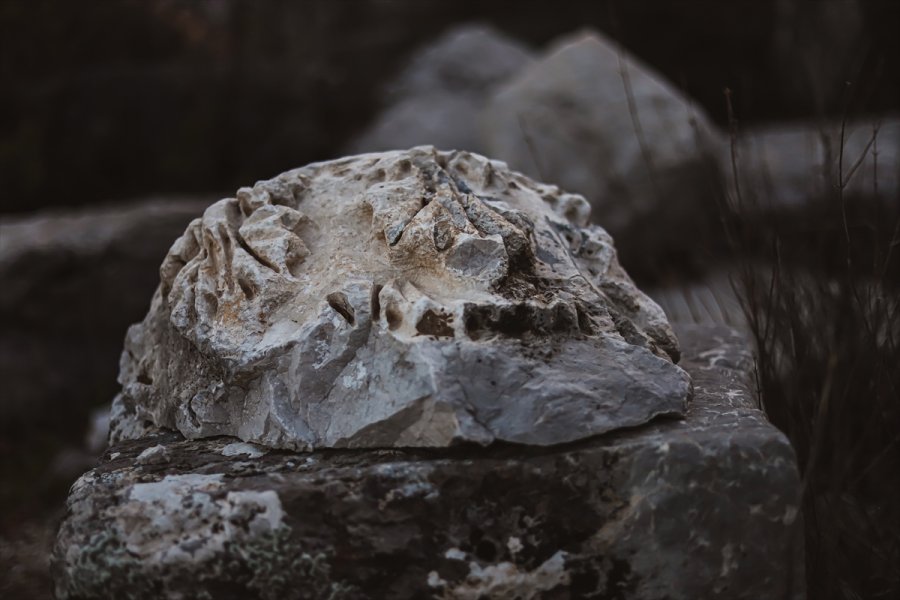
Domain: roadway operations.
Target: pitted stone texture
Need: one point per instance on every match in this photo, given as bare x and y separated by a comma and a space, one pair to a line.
703, 507
414, 298
595, 120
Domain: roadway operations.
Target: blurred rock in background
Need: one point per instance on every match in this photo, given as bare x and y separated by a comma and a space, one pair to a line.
72, 282
437, 98
591, 118
793, 166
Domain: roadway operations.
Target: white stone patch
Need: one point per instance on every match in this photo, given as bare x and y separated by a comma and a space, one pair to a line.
505, 580
729, 560
172, 486
714, 356
185, 518
434, 580
514, 545
356, 378
152, 454
239, 448
413, 489
264, 508
455, 554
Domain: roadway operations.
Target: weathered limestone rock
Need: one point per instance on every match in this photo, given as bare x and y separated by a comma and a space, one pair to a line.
703, 507
436, 99
595, 120
410, 298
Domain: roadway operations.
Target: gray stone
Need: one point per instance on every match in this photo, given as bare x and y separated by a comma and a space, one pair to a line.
468, 58
72, 282
704, 507
410, 298
791, 168
443, 119
436, 99
591, 118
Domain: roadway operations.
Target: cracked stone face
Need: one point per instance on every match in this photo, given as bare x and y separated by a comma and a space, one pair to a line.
407, 298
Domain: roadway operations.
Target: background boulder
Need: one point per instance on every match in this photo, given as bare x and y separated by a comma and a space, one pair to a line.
72, 283
592, 118
436, 99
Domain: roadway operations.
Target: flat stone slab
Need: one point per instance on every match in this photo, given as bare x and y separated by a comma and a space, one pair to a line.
702, 507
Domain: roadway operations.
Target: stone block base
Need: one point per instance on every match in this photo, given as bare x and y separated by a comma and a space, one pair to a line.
704, 507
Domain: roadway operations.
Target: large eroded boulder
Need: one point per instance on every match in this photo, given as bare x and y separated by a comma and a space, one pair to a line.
409, 298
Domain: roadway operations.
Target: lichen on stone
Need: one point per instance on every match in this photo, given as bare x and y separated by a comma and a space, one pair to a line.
282, 570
